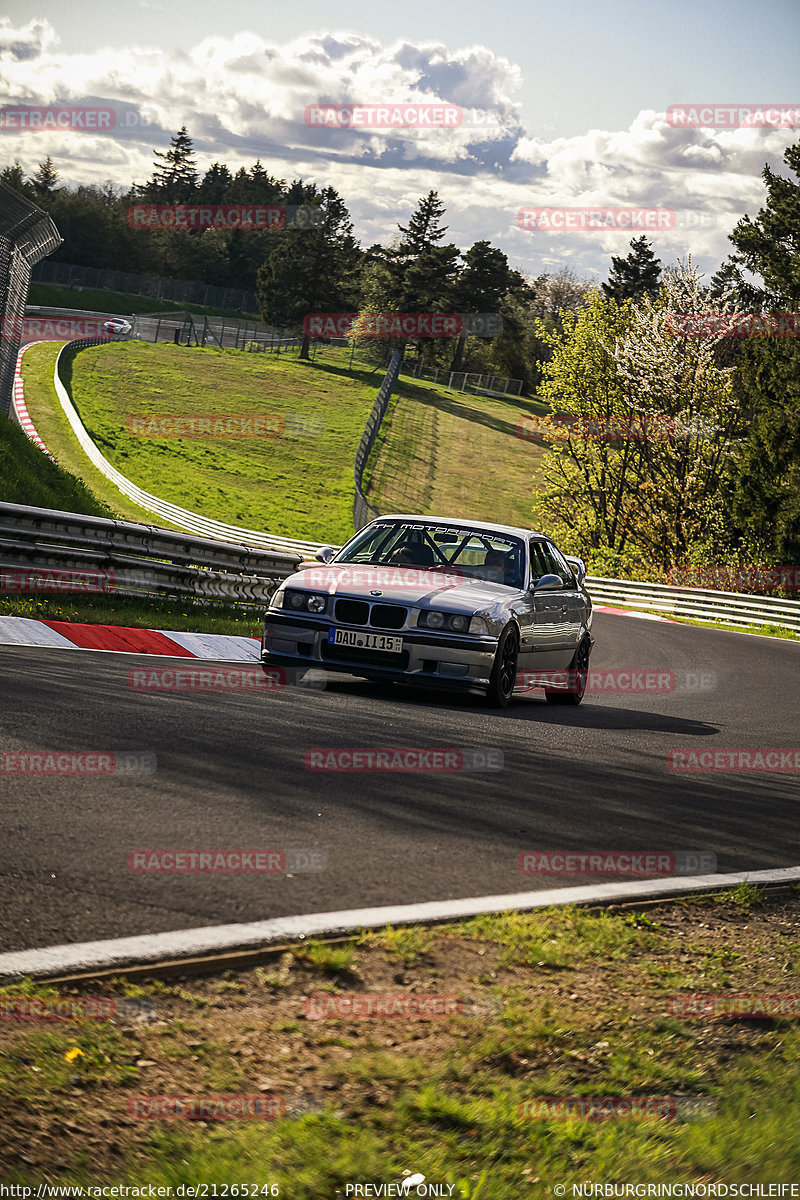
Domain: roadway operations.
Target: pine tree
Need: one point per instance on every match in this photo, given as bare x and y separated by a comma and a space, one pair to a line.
636, 276
768, 247
45, 179
174, 179
311, 270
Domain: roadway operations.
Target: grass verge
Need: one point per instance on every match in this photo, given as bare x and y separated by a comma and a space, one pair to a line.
557, 1003
38, 365
128, 611
27, 476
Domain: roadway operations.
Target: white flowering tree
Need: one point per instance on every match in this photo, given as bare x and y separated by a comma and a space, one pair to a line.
654, 419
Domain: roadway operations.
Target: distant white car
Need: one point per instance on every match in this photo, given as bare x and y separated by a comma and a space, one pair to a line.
117, 328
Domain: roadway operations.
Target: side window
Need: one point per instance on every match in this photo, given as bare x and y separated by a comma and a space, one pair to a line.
539, 563
562, 567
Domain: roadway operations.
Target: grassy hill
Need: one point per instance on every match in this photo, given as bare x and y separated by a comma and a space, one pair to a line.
440, 451
29, 477
295, 485
451, 453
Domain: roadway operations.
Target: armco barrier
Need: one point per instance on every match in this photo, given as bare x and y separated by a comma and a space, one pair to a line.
182, 517
134, 560
702, 604
145, 559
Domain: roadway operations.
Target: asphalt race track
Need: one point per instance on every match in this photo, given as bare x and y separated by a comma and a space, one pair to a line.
230, 774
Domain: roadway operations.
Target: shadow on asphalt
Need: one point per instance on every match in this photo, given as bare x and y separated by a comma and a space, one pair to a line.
526, 708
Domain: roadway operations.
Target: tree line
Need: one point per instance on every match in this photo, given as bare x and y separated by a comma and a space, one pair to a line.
711, 468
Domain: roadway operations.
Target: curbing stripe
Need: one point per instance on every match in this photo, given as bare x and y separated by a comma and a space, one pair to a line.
219, 939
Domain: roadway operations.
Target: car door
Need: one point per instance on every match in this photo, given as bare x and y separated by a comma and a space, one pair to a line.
549, 610
572, 599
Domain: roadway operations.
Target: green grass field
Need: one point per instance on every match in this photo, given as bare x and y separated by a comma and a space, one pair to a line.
298, 484
27, 476
38, 365
440, 451
448, 453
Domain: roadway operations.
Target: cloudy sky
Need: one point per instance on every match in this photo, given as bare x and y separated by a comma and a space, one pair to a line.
560, 105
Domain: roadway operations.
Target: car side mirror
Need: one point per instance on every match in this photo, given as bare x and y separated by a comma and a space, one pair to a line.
325, 554
548, 583
578, 566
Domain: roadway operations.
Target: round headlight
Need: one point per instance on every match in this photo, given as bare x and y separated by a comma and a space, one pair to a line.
296, 600
316, 604
459, 623
435, 620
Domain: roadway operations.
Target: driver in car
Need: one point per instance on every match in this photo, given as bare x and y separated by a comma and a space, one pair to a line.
499, 567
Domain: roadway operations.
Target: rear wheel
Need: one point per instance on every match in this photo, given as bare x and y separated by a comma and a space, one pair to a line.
578, 670
504, 671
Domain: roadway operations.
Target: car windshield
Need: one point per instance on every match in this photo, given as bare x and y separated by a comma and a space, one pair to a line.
475, 553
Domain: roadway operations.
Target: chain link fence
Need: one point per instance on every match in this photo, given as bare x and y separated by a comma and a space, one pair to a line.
189, 329
27, 234
469, 381
363, 511
183, 291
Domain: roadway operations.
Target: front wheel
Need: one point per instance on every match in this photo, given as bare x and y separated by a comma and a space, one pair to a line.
578, 670
504, 671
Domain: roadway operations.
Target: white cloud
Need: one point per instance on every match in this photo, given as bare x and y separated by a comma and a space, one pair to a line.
243, 97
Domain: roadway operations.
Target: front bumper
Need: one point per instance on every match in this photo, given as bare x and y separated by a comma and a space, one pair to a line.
428, 657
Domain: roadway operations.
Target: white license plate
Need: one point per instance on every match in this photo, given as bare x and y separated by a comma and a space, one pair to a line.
365, 641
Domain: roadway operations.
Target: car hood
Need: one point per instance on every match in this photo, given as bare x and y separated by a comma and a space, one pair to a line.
403, 585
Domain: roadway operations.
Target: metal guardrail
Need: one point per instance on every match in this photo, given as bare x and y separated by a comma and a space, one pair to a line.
146, 560
127, 559
363, 511
182, 517
702, 604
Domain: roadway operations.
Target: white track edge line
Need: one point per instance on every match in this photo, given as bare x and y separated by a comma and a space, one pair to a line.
186, 943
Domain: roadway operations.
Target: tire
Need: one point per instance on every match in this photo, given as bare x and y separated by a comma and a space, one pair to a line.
580, 665
504, 670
